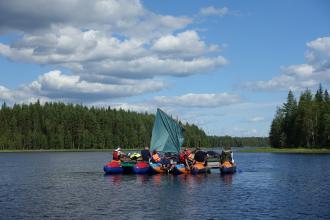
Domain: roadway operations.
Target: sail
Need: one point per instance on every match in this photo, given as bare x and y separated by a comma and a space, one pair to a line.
167, 134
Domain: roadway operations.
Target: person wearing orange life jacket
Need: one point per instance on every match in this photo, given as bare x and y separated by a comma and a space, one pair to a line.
155, 157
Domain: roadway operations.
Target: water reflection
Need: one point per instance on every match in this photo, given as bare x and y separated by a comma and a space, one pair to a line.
142, 179
157, 179
114, 180
227, 179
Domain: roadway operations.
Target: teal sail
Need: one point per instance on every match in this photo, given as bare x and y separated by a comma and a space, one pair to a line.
167, 134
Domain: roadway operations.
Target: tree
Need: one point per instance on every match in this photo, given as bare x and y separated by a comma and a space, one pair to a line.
290, 114
276, 135
319, 113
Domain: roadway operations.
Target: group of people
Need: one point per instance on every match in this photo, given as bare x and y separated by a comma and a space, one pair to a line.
145, 155
187, 157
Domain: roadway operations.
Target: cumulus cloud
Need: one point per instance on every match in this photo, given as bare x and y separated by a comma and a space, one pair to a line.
56, 86
257, 119
137, 107
207, 100
184, 44
213, 11
321, 44
120, 54
301, 76
92, 52
150, 66
170, 103
37, 15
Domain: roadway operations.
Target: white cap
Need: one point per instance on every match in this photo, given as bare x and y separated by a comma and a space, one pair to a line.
118, 149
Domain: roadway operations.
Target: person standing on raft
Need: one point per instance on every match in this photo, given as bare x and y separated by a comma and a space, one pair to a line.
116, 154
145, 154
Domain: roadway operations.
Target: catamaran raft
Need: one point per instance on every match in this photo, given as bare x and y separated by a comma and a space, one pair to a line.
166, 142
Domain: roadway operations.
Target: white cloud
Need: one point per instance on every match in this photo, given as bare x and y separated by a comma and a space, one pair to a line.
66, 44
92, 52
150, 66
170, 104
281, 83
36, 15
321, 44
257, 119
208, 100
213, 11
56, 86
302, 76
108, 49
186, 44
300, 71
137, 107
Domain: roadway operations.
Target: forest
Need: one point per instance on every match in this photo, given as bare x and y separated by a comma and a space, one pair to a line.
303, 123
56, 125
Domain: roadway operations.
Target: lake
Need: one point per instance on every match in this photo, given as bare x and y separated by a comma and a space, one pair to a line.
71, 185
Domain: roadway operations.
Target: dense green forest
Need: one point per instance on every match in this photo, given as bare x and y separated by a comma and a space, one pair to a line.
302, 124
69, 126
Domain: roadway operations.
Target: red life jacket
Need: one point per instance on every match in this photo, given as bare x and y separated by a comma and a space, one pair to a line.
182, 157
115, 155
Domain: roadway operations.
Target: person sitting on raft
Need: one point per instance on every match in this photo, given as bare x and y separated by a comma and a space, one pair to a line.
116, 154
145, 154
201, 156
226, 155
155, 158
183, 154
188, 158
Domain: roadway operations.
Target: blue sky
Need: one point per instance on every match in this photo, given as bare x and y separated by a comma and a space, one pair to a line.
223, 65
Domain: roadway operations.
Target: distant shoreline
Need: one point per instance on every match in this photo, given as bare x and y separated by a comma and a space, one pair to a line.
65, 150
250, 150
287, 150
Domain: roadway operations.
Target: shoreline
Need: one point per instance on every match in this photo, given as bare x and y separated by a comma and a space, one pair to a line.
251, 150
64, 150
287, 150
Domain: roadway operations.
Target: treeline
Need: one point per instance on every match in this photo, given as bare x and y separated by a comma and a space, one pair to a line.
68, 126
305, 123
196, 137
223, 141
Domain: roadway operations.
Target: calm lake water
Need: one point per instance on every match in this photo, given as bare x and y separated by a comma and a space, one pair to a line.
73, 186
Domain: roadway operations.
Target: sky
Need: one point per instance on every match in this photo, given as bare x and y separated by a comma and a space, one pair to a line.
222, 65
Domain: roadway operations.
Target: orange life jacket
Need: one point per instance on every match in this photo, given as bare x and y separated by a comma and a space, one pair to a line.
227, 164
156, 158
